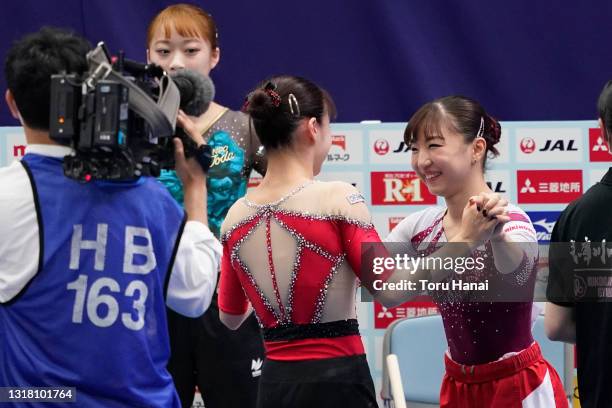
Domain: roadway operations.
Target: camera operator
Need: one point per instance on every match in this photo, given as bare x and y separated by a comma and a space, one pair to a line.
86, 269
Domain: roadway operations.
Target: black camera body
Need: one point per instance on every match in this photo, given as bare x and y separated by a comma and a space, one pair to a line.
119, 118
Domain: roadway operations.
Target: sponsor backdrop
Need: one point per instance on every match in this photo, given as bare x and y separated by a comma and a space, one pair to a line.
542, 166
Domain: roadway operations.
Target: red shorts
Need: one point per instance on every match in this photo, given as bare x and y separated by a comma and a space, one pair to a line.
524, 380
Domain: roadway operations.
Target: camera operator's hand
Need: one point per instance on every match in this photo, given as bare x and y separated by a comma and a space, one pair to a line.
189, 170
194, 183
189, 127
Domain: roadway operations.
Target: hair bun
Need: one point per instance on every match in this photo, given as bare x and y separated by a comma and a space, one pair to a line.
260, 105
275, 112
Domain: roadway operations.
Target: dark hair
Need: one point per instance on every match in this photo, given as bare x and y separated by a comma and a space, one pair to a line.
459, 113
30, 63
604, 108
278, 104
188, 20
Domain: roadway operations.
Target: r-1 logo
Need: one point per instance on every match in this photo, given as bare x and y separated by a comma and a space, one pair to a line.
398, 191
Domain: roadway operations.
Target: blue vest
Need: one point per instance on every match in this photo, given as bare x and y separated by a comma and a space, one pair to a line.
93, 317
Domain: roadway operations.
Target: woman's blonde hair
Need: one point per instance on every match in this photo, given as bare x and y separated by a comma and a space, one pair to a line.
188, 21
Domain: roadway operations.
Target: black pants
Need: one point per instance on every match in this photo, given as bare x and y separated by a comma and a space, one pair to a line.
206, 353
334, 382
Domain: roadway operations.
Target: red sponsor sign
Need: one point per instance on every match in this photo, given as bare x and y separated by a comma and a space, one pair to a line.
527, 145
381, 147
548, 186
599, 150
421, 306
399, 187
254, 181
393, 221
339, 140
18, 151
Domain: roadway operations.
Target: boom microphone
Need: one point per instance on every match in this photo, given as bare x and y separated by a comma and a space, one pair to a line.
197, 91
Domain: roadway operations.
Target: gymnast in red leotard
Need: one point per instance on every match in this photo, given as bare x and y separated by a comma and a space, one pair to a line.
292, 250
492, 358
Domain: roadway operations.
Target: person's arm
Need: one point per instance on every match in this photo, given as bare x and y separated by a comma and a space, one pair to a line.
233, 321
560, 323
191, 174
233, 303
194, 274
559, 317
474, 229
19, 233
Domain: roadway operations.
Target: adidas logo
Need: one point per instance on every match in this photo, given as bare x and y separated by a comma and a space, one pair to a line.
256, 367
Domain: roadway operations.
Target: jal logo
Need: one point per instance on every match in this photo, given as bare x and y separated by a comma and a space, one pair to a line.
393, 188
527, 145
18, 151
599, 150
498, 181
339, 140
548, 186
549, 145
497, 186
381, 147
387, 147
543, 222
559, 145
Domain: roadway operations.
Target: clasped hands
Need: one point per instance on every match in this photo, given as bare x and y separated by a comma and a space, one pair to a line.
483, 218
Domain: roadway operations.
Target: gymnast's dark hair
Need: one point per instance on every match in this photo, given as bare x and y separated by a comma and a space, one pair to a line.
278, 104
30, 63
604, 108
462, 114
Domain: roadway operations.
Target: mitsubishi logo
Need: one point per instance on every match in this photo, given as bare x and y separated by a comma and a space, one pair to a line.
528, 188
599, 145
384, 313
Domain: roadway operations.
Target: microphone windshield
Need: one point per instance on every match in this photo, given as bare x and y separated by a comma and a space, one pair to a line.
197, 91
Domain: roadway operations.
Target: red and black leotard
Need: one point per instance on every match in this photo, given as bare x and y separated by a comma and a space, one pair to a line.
297, 262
